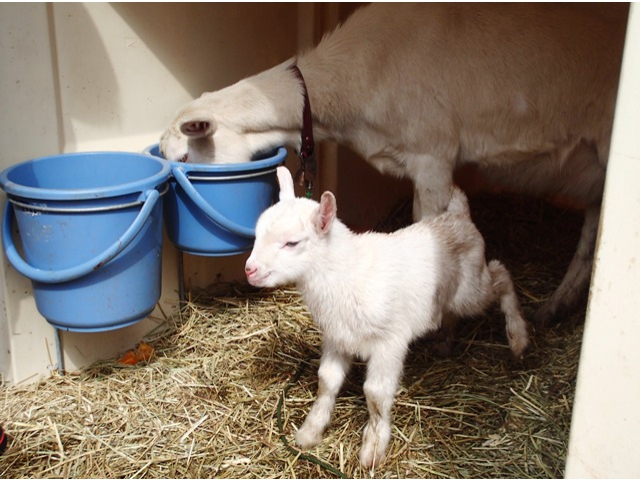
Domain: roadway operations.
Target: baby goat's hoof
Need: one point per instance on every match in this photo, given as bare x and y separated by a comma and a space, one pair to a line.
370, 458
374, 445
520, 340
308, 437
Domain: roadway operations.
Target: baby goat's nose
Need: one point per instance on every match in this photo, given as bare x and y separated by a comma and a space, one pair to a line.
249, 270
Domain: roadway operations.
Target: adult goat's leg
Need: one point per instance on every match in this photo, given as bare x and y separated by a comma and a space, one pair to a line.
576, 281
432, 181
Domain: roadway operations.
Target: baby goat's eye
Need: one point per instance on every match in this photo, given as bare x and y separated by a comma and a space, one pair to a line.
291, 244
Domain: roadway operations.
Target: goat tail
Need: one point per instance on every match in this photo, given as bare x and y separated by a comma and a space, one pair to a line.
458, 203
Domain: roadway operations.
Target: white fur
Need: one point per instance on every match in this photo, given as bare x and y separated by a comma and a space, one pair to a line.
525, 91
372, 294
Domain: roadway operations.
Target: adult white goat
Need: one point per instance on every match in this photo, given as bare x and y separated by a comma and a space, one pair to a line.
373, 294
525, 91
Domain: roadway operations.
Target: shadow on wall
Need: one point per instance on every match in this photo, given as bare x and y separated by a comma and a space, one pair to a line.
87, 87
209, 46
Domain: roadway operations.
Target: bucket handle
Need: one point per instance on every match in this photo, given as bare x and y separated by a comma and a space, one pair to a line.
60, 276
207, 209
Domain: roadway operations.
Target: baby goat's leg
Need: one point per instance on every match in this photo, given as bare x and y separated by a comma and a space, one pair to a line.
446, 336
518, 329
383, 374
333, 369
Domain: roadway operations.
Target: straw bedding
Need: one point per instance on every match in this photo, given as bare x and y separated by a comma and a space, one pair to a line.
234, 374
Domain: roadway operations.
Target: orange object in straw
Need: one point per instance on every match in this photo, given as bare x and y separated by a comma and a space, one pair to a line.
142, 353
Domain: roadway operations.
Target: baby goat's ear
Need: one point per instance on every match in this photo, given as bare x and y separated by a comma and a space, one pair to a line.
326, 212
286, 183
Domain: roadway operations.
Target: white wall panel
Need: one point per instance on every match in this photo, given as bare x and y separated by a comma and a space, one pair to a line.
605, 430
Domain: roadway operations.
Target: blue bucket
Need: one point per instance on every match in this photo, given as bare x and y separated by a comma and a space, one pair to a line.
212, 209
90, 226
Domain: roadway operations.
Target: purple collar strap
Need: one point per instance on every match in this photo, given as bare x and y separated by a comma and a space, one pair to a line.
307, 173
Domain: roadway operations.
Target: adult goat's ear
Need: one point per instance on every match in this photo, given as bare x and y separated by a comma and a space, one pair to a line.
326, 213
286, 183
197, 123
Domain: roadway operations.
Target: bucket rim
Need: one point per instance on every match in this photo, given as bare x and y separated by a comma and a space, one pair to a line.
225, 168
37, 193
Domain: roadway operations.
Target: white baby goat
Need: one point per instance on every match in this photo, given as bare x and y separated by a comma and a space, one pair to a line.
372, 294
524, 91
